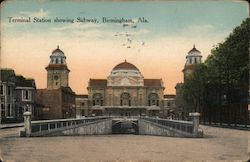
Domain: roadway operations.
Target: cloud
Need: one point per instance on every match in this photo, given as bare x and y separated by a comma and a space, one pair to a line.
87, 30
41, 13
200, 28
91, 30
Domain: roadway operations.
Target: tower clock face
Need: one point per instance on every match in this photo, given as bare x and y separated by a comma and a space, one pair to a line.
56, 77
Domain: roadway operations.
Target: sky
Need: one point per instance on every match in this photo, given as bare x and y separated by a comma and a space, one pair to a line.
157, 47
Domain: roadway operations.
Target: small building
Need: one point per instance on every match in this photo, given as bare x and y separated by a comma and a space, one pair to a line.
25, 96
7, 94
82, 105
17, 95
169, 105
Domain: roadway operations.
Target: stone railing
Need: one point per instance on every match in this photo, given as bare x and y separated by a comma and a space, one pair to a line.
190, 128
174, 127
49, 126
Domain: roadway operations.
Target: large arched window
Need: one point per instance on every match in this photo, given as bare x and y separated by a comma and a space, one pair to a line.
125, 99
97, 99
153, 99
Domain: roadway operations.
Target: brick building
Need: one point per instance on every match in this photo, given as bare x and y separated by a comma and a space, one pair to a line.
58, 99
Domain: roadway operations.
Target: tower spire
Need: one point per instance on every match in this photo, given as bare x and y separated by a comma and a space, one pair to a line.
194, 45
57, 46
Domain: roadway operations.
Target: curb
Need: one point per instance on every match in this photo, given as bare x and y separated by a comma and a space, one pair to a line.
11, 126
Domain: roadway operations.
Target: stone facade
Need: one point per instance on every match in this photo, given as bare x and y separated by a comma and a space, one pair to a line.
82, 105
125, 92
57, 70
169, 104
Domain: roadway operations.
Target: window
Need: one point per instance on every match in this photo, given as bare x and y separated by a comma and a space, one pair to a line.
195, 60
168, 103
153, 99
1, 89
9, 110
83, 113
56, 61
125, 99
26, 95
2, 110
83, 104
20, 111
97, 99
9, 90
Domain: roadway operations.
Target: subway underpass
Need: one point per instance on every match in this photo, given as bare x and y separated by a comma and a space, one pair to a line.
125, 127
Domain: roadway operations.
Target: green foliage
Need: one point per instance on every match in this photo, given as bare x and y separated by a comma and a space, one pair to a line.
224, 75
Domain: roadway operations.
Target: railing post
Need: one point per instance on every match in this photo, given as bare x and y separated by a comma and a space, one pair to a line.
27, 123
195, 118
48, 126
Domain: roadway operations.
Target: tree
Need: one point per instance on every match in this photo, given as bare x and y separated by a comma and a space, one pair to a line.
221, 83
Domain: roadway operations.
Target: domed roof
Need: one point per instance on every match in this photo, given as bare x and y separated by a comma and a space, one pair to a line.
57, 52
194, 50
125, 66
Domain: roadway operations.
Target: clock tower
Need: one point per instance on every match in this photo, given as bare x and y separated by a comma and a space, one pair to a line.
57, 70
193, 58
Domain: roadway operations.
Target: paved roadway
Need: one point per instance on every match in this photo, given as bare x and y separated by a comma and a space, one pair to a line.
218, 144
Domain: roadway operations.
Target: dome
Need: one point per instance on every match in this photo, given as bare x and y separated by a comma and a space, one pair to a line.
125, 74
194, 51
57, 57
125, 66
57, 52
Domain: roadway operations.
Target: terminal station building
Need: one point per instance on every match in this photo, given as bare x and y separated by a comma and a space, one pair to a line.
125, 92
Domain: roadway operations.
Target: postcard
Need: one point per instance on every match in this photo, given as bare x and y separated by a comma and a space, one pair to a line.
124, 80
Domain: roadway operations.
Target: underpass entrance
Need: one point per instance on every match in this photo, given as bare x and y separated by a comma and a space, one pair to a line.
125, 127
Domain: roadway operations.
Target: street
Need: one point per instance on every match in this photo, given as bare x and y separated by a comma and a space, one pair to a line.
217, 144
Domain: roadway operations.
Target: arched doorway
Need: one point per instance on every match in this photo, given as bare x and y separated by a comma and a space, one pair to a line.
153, 99
97, 99
125, 99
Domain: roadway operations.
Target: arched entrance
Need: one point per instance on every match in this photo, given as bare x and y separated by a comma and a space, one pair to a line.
97, 99
153, 99
125, 99
125, 127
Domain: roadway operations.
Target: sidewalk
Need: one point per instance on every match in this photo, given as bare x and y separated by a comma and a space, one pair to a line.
12, 125
230, 126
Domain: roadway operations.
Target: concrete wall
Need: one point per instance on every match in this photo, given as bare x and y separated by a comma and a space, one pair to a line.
105, 127
98, 128
149, 128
